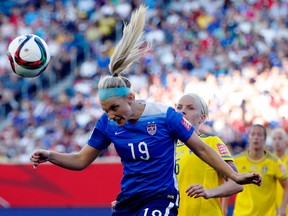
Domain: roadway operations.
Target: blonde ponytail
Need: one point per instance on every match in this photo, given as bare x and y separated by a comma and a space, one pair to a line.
126, 52
128, 48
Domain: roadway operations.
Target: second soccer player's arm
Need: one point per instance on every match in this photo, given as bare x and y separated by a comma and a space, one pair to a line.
211, 157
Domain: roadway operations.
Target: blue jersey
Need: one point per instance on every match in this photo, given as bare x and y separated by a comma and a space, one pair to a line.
147, 151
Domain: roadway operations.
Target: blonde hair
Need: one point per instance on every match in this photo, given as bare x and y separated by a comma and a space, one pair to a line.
201, 103
126, 52
280, 131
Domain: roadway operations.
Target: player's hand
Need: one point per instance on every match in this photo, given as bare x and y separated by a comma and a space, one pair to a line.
249, 178
197, 190
281, 211
113, 204
39, 156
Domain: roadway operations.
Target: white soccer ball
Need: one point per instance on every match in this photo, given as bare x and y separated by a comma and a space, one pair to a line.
28, 55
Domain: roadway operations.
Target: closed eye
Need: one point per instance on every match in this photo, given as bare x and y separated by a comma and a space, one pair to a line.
178, 108
114, 107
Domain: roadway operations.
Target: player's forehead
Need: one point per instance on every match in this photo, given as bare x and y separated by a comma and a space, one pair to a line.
257, 130
106, 104
187, 101
278, 134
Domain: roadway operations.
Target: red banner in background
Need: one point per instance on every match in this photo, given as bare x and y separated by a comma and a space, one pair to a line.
52, 186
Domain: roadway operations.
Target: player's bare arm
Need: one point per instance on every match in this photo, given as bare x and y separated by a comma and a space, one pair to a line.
232, 165
74, 161
209, 155
227, 189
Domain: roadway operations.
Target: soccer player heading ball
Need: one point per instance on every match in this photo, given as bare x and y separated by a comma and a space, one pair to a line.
144, 135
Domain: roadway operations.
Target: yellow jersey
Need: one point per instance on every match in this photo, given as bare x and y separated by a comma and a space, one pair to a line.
255, 200
192, 170
279, 189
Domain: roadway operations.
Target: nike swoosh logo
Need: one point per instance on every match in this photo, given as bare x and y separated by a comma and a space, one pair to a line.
120, 132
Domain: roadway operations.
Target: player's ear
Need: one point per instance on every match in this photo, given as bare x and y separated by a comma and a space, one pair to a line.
131, 96
202, 119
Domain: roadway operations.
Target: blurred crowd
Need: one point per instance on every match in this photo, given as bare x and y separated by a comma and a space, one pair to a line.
232, 53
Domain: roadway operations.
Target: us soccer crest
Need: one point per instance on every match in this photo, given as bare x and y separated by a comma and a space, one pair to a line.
151, 129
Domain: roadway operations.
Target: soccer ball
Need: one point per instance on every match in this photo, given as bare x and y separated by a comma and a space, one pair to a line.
28, 55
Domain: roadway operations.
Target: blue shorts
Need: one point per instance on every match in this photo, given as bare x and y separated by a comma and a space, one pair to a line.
164, 205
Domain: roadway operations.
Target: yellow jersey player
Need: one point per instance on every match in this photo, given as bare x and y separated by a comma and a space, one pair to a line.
200, 185
279, 143
260, 201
